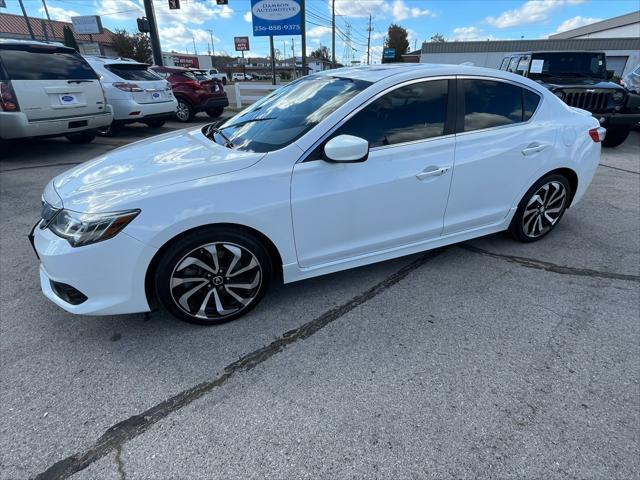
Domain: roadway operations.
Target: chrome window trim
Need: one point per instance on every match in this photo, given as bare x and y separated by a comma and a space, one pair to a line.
359, 108
503, 80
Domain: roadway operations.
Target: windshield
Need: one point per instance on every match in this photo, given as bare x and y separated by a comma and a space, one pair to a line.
132, 71
289, 112
568, 64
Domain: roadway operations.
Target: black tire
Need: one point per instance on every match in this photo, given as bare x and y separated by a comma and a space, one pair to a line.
615, 137
111, 130
224, 80
82, 137
544, 208
198, 245
215, 112
156, 123
185, 111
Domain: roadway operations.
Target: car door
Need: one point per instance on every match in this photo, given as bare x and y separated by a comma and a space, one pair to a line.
394, 198
498, 149
52, 82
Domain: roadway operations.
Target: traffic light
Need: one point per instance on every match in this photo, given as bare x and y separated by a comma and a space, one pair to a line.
222, 2
143, 25
174, 4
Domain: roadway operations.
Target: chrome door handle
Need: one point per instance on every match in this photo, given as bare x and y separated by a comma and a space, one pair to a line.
533, 148
432, 173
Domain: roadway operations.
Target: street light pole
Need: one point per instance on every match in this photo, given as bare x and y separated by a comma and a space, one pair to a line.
153, 32
333, 33
26, 19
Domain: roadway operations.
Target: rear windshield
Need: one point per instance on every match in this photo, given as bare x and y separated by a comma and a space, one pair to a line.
44, 63
128, 71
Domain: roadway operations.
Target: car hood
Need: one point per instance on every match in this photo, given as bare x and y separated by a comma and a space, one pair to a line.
116, 179
580, 83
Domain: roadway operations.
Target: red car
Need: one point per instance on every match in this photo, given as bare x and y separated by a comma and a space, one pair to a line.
195, 93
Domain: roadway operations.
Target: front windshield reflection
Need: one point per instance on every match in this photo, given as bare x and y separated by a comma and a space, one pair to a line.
289, 112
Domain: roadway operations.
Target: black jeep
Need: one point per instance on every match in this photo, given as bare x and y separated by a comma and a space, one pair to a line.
582, 80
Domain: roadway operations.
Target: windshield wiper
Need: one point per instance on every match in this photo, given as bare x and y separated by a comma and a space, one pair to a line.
249, 121
212, 130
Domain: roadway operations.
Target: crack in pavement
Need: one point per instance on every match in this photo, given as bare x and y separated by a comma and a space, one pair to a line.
121, 472
115, 436
551, 267
620, 169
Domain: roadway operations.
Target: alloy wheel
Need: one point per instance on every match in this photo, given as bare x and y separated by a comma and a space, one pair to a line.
216, 280
544, 209
182, 112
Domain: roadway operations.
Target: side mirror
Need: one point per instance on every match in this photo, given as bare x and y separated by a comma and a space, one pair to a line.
610, 74
346, 149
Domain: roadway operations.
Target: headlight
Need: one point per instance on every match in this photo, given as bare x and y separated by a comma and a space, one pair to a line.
85, 228
617, 97
559, 94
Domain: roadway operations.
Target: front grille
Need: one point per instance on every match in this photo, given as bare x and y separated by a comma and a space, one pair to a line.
596, 101
68, 293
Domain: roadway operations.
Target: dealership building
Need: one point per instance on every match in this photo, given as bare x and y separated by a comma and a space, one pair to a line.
618, 37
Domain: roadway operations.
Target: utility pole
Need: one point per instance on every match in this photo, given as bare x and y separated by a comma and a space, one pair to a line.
273, 61
333, 33
26, 19
369, 43
303, 21
195, 50
293, 54
153, 32
213, 48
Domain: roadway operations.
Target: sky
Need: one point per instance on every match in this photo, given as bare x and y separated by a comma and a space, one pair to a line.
198, 21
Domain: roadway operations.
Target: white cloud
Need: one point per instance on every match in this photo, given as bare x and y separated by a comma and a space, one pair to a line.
465, 34
58, 13
179, 37
576, 22
401, 11
120, 9
532, 11
247, 17
354, 8
192, 12
318, 32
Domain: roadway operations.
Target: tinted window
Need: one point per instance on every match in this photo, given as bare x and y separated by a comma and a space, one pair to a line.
132, 72
289, 112
530, 101
44, 63
491, 104
410, 113
570, 64
513, 64
505, 63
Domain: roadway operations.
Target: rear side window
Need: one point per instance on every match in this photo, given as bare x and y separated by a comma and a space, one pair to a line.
492, 104
34, 63
132, 72
415, 112
513, 64
505, 63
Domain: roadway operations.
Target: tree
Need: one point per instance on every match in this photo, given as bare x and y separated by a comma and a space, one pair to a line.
69, 39
397, 39
321, 52
438, 38
137, 47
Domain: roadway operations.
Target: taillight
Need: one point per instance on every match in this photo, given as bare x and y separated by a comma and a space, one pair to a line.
127, 87
597, 134
8, 99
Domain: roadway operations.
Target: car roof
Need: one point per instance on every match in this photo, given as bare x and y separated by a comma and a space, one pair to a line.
376, 73
16, 41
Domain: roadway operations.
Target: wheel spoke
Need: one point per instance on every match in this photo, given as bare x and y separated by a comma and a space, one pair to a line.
187, 262
252, 264
529, 223
203, 305
554, 210
237, 253
550, 219
213, 251
545, 194
246, 286
184, 299
219, 308
179, 281
238, 298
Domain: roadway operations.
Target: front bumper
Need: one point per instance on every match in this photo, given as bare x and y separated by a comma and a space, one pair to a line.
111, 274
215, 103
123, 108
17, 125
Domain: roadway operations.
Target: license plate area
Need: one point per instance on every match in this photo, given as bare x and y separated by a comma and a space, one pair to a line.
78, 124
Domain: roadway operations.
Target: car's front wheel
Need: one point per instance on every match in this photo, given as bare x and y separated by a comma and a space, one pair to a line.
615, 136
213, 276
184, 112
541, 208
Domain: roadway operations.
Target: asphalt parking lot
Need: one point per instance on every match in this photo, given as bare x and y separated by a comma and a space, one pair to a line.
488, 359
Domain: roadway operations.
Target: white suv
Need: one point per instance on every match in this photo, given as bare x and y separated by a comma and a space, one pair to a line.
48, 90
240, 76
136, 93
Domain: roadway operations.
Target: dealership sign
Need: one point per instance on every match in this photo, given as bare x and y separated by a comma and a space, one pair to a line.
242, 44
87, 25
185, 61
276, 17
389, 53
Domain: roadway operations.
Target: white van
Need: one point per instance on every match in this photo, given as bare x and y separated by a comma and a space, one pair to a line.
47, 89
135, 93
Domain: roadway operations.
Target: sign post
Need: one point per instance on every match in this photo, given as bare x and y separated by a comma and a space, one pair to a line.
242, 45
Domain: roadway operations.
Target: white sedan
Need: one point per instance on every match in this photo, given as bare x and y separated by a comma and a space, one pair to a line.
333, 171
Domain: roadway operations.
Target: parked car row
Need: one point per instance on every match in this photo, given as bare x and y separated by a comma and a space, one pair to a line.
49, 90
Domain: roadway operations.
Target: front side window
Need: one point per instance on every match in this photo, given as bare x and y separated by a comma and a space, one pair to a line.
35, 62
490, 103
289, 112
414, 112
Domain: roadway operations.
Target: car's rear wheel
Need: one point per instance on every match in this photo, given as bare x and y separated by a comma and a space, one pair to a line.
82, 137
224, 80
184, 112
615, 137
157, 123
541, 208
213, 276
215, 112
